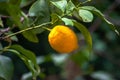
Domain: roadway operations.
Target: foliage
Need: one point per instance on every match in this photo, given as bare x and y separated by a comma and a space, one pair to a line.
29, 20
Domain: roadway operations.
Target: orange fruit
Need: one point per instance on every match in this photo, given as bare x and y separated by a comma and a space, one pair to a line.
63, 39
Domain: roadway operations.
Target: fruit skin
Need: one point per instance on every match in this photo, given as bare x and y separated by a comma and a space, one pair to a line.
63, 39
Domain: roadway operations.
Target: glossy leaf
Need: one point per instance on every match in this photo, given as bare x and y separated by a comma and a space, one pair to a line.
40, 9
67, 21
30, 55
29, 35
29, 63
13, 38
85, 33
76, 14
25, 3
6, 68
60, 5
16, 53
56, 19
85, 15
99, 14
70, 7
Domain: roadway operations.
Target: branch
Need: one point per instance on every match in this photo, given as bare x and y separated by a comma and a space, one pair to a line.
30, 28
110, 9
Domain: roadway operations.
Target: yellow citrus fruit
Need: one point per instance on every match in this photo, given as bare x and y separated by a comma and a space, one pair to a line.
63, 39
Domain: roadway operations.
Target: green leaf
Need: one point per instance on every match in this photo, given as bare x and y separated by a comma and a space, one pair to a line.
28, 57
67, 21
60, 5
70, 7
6, 68
76, 14
29, 63
13, 38
40, 10
56, 19
85, 15
85, 33
99, 14
17, 53
25, 3
29, 35
29, 54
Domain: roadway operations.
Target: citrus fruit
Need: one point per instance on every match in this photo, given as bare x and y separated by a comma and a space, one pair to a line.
63, 39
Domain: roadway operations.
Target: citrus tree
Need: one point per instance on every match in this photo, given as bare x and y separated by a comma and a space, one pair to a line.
62, 21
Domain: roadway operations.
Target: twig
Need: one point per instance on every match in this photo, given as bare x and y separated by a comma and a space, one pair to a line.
30, 28
110, 9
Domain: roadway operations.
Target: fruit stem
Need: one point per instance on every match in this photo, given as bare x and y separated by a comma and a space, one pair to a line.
47, 28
